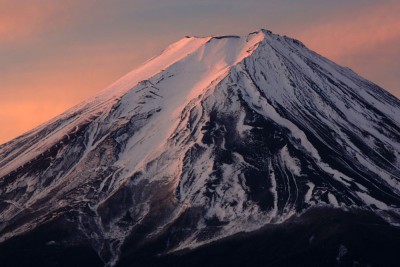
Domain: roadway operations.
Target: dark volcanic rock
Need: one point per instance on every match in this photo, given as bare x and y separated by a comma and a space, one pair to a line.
320, 237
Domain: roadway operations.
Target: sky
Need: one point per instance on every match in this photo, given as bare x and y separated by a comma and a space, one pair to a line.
56, 53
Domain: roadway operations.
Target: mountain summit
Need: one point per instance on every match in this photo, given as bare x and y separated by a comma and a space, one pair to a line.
220, 151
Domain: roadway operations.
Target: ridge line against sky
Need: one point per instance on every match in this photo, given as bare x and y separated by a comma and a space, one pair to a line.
55, 54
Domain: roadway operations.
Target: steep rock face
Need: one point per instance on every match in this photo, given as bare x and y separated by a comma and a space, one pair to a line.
213, 137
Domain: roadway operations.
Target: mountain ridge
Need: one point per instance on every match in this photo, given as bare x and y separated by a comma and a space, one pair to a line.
230, 133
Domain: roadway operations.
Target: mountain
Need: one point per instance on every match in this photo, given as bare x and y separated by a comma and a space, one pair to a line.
229, 150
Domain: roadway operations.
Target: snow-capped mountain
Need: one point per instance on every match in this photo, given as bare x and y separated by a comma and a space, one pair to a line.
217, 137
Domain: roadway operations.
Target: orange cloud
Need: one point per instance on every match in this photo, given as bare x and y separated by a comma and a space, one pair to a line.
17, 117
20, 19
18, 22
33, 92
33, 95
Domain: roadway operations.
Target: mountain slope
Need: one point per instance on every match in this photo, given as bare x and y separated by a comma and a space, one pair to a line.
213, 137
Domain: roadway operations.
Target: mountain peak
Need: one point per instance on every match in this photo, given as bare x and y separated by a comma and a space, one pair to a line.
265, 31
213, 137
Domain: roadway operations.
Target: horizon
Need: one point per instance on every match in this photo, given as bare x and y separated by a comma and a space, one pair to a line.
55, 55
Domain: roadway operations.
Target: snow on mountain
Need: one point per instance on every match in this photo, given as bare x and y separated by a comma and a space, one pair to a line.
215, 136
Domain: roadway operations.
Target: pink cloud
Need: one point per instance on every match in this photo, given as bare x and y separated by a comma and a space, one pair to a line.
359, 31
367, 40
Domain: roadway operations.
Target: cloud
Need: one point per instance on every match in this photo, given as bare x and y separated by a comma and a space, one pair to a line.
21, 118
33, 95
21, 19
55, 53
357, 32
367, 40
